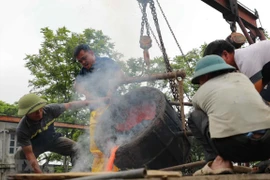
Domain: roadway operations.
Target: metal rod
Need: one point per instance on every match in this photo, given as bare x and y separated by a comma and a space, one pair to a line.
169, 75
183, 166
242, 26
136, 173
178, 103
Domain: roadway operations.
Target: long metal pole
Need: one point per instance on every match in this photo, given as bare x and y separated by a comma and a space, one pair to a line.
169, 75
182, 166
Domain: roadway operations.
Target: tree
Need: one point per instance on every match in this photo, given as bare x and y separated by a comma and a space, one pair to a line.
8, 109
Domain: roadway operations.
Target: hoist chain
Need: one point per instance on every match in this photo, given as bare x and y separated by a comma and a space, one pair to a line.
172, 82
144, 20
151, 30
177, 43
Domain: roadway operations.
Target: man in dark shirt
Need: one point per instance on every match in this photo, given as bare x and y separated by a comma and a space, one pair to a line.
98, 77
35, 131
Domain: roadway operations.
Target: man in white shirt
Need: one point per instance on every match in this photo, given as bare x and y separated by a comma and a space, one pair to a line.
253, 61
230, 119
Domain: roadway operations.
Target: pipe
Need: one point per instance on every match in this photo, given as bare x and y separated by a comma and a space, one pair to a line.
130, 174
170, 75
183, 166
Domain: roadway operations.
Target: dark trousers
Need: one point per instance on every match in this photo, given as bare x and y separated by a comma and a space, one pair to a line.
239, 148
61, 145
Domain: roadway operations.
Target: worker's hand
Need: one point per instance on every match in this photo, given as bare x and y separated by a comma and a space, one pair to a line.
103, 100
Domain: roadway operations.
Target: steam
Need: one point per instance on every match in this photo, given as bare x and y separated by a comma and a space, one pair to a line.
84, 157
122, 120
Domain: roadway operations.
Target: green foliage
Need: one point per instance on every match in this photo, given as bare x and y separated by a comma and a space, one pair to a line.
196, 150
8, 109
188, 63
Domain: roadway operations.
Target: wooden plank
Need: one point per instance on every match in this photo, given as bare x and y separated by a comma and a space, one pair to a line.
70, 175
54, 176
12, 119
230, 177
154, 173
61, 176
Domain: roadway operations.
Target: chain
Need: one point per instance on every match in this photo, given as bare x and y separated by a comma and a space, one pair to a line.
151, 30
173, 84
177, 43
144, 19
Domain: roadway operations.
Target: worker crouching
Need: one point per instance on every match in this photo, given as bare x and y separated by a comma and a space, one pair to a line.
230, 119
36, 135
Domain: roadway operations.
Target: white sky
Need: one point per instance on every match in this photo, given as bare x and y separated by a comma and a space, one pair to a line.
192, 21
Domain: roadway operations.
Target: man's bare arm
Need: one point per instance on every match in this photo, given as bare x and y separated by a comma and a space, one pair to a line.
80, 104
259, 85
30, 156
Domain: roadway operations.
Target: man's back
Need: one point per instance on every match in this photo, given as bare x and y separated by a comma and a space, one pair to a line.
251, 59
233, 105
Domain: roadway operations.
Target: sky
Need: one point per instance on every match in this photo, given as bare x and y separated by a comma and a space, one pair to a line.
192, 21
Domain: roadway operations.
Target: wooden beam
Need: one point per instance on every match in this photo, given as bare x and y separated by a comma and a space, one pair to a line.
12, 119
76, 175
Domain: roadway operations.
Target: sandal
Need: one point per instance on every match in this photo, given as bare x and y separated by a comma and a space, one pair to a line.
206, 170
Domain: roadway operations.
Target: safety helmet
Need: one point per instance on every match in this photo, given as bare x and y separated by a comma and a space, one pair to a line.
30, 103
209, 64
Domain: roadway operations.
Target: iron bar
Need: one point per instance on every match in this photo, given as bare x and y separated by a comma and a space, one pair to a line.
136, 173
243, 28
184, 166
169, 75
178, 103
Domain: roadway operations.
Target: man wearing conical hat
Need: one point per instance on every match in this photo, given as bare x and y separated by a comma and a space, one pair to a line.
230, 119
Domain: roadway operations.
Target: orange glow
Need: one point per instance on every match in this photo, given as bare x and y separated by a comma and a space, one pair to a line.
109, 166
136, 115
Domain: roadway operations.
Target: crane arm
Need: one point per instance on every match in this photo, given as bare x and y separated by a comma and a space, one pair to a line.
246, 19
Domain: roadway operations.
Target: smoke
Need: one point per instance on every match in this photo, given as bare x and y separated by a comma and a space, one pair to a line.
84, 157
122, 119
118, 122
